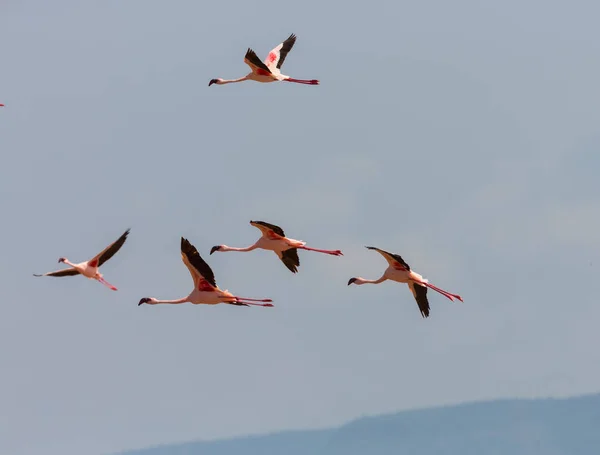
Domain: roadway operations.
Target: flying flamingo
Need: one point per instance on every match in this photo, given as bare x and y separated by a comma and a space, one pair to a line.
205, 290
400, 271
273, 239
269, 70
89, 269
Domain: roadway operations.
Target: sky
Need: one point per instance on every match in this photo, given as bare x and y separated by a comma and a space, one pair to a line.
462, 136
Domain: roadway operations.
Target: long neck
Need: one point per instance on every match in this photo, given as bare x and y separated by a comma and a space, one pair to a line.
66, 261
231, 81
230, 248
182, 300
364, 281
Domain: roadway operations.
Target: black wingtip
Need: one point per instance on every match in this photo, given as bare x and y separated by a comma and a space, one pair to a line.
186, 246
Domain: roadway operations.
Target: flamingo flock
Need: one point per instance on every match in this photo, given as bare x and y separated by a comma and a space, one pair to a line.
205, 290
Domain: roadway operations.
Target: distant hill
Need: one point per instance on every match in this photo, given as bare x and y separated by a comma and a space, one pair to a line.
568, 426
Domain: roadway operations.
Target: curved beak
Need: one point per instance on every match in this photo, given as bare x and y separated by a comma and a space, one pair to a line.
212, 81
352, 280
214, 248
144, 300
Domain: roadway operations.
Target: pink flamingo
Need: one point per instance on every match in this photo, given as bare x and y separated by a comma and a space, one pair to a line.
270, 69
205, 289
89, 269
273, 239
400, 271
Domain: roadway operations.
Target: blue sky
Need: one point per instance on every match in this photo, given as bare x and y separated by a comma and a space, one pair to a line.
462, 136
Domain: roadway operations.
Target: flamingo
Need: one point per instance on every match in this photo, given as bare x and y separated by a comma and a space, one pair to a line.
205, 289
89, 269
273, 239
400, 271
270, 69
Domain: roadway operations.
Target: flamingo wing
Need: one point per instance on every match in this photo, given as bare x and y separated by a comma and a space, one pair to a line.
65, 272
270, 230
109, 251
202, 274
394, 260
258, 67
277, 56
420, 294
290, 259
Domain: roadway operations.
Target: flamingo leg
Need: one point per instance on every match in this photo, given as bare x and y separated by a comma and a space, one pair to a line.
303, 81
444, 293
332, 252
106, 283
254, 300
247, 301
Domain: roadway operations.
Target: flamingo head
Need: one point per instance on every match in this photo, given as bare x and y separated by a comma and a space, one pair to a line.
215, 248
62, 259
215, 81
351, 280
145, 300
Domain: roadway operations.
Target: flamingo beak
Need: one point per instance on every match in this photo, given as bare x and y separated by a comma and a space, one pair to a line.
352, 280
212, 81
214, 248
144, 300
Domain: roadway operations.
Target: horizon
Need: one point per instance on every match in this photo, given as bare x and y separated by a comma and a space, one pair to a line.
455, 406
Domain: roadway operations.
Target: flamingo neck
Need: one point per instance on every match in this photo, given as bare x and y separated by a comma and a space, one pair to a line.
231, 81
182, 300
365, 281
75, 266
230, 248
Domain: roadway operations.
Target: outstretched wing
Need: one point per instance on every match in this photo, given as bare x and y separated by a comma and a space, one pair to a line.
420, 293
394, 260
109, 251
65, 272
258, 67
202, 274
267, 228
277, 56
290, 259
